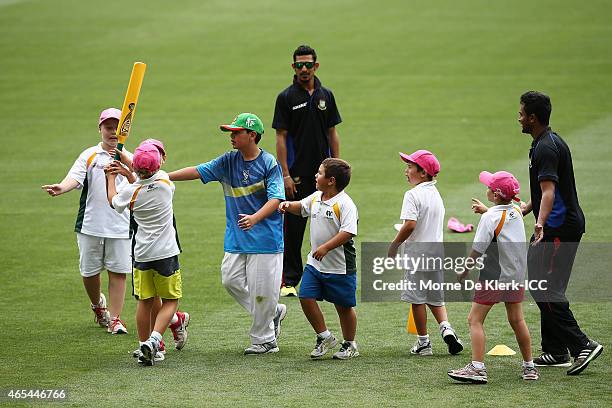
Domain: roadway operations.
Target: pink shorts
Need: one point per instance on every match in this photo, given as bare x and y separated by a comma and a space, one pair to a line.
485, 296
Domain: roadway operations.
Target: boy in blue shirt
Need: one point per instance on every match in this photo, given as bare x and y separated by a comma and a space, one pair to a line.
253, 186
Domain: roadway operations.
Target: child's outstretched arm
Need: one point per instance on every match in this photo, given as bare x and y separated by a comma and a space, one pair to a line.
402, 235
291, 207
339, 239
247, 221
478, 207
65, 186
188, 173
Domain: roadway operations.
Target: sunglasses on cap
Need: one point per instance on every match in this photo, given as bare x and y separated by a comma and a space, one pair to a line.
307, 64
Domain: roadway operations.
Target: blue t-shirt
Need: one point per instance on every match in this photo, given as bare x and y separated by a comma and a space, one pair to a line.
247, 186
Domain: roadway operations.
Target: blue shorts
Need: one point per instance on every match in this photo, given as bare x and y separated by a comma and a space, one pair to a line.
337, 289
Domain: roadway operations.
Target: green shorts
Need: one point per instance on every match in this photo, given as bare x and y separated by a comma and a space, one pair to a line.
150, 283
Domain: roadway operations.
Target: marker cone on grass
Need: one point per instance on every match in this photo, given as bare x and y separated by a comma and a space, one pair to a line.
501, 350
410, 325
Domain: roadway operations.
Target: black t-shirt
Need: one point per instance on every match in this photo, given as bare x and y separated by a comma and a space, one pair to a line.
307, 119
550, 159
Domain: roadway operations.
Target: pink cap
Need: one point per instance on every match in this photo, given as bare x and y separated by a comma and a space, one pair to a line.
425, 159
502, 183
146, 157
156, 143
109, 113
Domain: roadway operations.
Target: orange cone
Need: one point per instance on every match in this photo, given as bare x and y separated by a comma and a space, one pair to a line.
410, 325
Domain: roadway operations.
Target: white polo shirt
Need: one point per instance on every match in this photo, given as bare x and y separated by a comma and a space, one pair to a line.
327, 218
150, 201
503, 224
424, 205
95, 216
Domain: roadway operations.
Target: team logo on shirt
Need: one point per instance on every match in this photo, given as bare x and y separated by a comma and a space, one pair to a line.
245, 176
322, 105
512, 215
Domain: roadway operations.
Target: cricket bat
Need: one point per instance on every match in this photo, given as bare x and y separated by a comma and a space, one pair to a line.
129, 105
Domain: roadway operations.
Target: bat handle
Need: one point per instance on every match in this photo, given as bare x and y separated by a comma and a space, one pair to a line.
119, 149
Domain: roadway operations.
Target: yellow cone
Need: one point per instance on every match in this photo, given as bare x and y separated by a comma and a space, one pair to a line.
410, 325
501, 350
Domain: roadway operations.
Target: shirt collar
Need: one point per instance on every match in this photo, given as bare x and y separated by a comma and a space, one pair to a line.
332, 200
426, 183
100, 149
537, 139
502, 207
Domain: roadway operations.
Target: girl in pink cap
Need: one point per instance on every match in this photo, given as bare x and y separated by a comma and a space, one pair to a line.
180, 321
423, 219
156, 266
501, 236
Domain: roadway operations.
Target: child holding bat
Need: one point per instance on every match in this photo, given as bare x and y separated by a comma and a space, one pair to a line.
180, 320
102, 234
156, 266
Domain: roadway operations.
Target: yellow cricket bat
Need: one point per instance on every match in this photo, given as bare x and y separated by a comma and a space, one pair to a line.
129, 105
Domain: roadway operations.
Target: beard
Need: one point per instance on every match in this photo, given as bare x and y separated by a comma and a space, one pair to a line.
526, 129
304, 78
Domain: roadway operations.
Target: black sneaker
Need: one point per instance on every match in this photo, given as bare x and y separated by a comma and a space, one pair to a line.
552, 360
455, 346
587, 355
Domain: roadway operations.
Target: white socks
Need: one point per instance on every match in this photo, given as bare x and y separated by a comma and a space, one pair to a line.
174, 319
324, 334
444, 325
528, 364
479, 365
156, 337
423, 339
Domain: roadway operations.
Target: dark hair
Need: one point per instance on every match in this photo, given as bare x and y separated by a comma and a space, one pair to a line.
257, 135
538, 104
420, 169
305, 50
339, 170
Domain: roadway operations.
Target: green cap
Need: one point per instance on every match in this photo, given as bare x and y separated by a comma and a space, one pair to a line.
248, 121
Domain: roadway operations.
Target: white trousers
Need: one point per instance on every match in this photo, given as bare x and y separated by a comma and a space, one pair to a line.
254, 281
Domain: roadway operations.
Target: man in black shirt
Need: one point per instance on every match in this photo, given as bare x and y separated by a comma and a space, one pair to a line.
305, 119
559, 227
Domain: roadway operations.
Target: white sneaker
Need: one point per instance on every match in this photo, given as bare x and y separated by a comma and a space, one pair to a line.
265, 348
347, 350
149, 352
159, 356
422, 349
117, 326
179, 329
101, 314
455, 346
281, 312
323, 346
